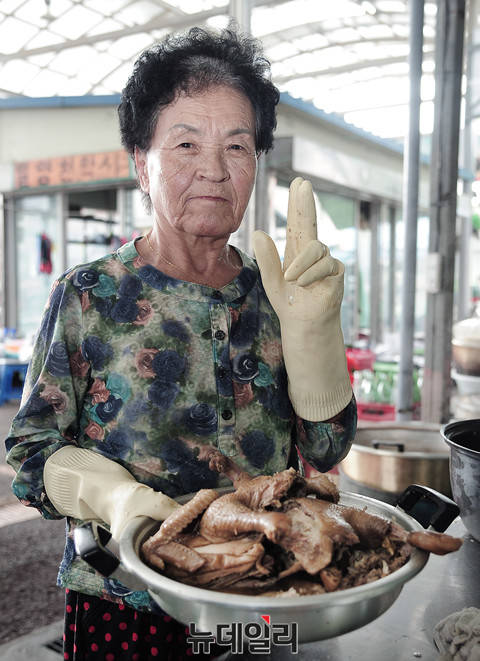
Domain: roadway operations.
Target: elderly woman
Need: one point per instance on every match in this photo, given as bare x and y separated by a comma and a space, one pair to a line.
176, 342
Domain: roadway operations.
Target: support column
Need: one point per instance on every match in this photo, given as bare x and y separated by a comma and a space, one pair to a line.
10, 266
443, 210
375, 280
392, 268
122, 212
61, 212
468, 162
264, 214
411, 173
241, 12
2, 262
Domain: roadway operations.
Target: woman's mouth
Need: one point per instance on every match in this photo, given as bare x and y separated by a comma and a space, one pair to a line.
214, 199
210, 198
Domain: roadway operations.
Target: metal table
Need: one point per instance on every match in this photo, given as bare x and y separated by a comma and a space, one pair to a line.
405, 631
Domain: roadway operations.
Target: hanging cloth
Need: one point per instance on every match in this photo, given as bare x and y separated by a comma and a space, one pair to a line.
45, 254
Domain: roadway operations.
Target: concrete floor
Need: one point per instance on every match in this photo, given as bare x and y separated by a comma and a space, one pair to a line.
31, 550
34, 645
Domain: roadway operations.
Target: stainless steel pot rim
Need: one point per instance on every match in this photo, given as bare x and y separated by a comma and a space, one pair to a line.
424, 434
468, 344
408, 454
465, 377
158, 584
417, 425
456, 426
463, 449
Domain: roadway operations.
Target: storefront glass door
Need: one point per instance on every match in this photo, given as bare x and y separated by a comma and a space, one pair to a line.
38, 257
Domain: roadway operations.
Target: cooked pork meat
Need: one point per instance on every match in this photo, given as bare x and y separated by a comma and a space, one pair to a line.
280, 532
180, 519
315, 530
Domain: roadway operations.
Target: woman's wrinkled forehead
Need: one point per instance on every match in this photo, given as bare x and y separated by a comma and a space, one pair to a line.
215, 112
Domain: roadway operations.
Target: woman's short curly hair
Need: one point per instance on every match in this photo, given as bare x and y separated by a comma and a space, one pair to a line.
190, 63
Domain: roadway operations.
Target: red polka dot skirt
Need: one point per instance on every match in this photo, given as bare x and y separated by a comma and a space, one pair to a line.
100, 630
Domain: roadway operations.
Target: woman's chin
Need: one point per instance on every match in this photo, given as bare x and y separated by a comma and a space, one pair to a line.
215, 228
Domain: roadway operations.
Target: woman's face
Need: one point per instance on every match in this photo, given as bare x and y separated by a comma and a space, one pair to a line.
200, 168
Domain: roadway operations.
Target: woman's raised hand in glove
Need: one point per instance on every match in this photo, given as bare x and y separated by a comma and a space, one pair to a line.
306, 294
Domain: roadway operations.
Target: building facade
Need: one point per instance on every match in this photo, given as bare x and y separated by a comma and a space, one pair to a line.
69, 195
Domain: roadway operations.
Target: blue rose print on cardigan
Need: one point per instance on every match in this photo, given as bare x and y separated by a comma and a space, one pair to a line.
95, 351
163, 394
168, 365
183, 463
245, 368
35, 405
124, 310
130, 286
155, 278
48, 322
57, 359
120, 442
176, 329
201, 419
275, 398
245, 329
85, 279
104, 306
106, 411
257, 447
224, 374
137, 407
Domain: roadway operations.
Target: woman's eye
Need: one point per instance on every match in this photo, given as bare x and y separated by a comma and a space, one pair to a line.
237, 147
186, 145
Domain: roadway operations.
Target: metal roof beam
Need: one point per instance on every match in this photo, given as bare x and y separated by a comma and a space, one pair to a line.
176, 22
11, 94
157, 23
347, 68
384, 106
353, 42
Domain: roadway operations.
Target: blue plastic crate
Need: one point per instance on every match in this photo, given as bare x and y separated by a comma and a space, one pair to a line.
12, 379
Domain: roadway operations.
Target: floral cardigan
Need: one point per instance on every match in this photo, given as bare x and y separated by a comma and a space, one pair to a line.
144, 369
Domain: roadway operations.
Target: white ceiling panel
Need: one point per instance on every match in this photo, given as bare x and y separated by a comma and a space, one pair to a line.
348, 57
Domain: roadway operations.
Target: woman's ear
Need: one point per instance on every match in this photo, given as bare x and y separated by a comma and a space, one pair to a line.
142, 170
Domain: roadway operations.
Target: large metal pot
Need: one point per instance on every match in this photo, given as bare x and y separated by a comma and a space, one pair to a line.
386, 457
466, 357
318, 616
463, 438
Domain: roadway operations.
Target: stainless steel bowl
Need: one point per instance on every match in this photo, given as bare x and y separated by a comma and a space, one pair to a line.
318, 616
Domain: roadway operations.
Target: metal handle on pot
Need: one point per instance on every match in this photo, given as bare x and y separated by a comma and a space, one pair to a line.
389, 444
95, 545
428, 507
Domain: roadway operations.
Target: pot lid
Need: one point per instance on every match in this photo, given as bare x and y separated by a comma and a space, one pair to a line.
467, 331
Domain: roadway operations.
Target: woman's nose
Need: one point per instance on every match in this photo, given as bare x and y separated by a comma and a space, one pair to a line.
212, 164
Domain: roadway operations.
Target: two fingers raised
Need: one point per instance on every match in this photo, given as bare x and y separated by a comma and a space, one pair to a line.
307, 260
313, 264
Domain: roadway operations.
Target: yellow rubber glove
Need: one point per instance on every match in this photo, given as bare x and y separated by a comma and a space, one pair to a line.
306, 295
86, 485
